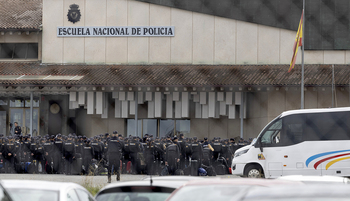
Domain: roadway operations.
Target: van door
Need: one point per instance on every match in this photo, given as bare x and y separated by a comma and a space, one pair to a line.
272, 154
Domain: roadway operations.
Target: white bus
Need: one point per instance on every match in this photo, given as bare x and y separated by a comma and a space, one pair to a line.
299, 142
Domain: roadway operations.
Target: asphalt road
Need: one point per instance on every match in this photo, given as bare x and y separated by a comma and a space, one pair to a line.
99, 181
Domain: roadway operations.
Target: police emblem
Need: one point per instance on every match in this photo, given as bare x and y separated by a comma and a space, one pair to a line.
74, 13
261, 156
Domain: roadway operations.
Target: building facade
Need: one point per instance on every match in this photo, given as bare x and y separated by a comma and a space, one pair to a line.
95, 66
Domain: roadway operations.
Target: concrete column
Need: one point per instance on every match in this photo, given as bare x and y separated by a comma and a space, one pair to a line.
91, 102
185, 104
169, 106
158, 104
99, 102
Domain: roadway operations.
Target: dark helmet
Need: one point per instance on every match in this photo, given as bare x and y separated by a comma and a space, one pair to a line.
115, 132
202, 172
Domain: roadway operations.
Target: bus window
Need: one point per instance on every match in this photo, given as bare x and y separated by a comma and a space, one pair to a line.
272, 135
327, 126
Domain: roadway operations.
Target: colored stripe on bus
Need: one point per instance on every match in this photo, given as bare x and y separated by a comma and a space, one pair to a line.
322, 154
334, 161
326, 159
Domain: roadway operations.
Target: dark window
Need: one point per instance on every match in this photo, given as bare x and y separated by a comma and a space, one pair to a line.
272, 135
292, 129
327, 126
18, 50
317, 126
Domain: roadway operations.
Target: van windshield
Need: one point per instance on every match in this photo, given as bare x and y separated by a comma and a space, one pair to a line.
272, 134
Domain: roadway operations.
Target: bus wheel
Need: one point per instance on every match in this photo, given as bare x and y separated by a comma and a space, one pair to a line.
253, 171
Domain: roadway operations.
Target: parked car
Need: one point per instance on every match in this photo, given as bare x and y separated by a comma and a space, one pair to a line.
310, 192
145, 190
4, 195
33, 190
222, 189
326, 179
173, 178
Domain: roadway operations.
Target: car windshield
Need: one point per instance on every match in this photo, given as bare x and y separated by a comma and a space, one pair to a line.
33, 195
209, 192
137, 193
133, 197
310, 192
3, 196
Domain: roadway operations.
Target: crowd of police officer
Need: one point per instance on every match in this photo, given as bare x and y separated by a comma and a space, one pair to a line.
72, 154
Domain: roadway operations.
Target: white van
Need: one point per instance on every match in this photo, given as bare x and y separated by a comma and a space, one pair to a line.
299, 142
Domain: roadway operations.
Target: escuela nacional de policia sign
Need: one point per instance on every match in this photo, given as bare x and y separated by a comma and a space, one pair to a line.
115, 31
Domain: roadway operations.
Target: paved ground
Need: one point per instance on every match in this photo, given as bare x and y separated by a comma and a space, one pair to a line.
99, 181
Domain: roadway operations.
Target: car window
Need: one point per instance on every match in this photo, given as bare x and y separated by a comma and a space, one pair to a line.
136, 193
72, 196
218, 192
83, 195
32, 194
133, 196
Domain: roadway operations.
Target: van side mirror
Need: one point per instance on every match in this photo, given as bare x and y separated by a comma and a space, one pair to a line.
258, 144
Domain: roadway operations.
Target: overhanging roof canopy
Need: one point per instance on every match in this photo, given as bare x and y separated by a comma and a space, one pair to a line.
37, 74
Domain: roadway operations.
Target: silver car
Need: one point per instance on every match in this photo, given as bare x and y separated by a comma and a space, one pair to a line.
32, 190
146, 190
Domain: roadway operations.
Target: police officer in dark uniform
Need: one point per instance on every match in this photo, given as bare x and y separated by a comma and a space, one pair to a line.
9, 155
168, 141
79, 146
39, 155
48, 155
88, 155
207, 152
18, 154
197, 153
18, 130
115, 149
25, 148
126, 155
217, 149
158, 154
2, 148
134, 149
149, 154
105, 152
98, 149
57, 154
182, 143
172, 157
69, 153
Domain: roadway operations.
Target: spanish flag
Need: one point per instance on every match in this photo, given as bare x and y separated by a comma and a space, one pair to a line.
297, 43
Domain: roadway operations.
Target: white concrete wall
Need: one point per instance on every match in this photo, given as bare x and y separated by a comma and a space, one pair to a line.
199, 38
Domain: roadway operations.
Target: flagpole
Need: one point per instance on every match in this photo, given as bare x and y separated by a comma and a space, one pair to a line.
302, 58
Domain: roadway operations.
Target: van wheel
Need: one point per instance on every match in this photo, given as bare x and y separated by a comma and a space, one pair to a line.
253, 171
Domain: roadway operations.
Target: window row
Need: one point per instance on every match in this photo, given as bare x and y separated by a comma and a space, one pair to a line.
158, 127
18, 50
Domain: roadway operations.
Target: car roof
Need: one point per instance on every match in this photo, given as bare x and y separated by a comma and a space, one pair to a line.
159, 183
241, 181
298, 191
37, 184
304, 111
315, 178
173, 178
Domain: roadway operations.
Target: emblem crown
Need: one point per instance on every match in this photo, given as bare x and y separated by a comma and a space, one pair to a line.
74, 6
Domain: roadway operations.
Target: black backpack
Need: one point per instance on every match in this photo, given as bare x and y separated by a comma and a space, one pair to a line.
207, 156
172, 152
